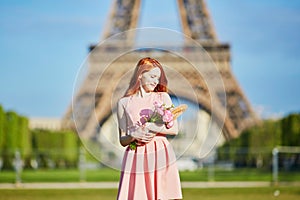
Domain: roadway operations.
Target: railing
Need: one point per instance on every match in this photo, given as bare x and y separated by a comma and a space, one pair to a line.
209, 169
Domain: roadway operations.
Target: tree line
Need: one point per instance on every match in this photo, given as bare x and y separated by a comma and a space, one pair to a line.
38, 148
45, 148
253, 148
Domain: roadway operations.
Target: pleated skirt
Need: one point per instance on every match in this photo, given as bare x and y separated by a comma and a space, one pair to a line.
150, 172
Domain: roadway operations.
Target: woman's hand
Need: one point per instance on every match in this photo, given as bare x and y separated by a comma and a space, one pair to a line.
161, 128
142, 134
153, 127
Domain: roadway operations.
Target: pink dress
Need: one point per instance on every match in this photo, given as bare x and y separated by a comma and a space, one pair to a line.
150, 171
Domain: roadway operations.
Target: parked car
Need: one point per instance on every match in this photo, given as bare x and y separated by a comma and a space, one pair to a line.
186, 164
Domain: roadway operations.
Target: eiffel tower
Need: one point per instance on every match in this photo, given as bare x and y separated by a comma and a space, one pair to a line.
196, 24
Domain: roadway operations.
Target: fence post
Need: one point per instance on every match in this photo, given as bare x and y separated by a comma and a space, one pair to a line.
275, 165
211, 166
18, 164
81, 164
211, 171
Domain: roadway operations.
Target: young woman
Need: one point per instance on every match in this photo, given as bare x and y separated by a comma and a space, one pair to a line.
149, 168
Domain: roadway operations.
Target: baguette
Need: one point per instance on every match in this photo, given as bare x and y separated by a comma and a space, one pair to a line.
177, 111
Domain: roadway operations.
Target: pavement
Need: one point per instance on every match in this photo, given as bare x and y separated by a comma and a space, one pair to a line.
114, 185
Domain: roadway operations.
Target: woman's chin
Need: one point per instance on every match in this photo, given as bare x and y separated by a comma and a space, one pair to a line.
150, 89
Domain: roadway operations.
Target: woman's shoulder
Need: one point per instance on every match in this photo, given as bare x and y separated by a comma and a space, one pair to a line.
123, 101
164, 94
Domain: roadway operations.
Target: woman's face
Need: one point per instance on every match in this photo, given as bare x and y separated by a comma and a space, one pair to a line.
150, 79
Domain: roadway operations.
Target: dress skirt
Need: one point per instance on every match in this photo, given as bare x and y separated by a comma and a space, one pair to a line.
150, 173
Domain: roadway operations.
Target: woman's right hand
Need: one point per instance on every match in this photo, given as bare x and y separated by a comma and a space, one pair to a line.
142, 134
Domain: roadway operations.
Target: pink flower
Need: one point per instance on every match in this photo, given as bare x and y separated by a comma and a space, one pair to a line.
170, 124
159, 108
167, 116
161, 115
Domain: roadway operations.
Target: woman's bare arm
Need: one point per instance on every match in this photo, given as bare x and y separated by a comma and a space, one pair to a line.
124, 138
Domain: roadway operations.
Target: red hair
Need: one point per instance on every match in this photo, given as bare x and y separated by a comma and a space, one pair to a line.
145, 65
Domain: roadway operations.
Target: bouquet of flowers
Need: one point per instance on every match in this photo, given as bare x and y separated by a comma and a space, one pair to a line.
162, 115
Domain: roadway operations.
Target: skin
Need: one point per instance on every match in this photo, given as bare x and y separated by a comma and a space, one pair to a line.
149, 81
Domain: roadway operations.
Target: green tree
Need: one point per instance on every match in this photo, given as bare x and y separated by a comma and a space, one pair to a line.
70, 148
24, 139
11, 136
2, 124
263, 139
291, 130
57, 147
255, 144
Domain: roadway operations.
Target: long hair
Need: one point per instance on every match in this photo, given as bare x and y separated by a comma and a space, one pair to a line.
145, 65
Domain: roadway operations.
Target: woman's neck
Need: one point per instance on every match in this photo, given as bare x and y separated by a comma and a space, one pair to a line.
143, 92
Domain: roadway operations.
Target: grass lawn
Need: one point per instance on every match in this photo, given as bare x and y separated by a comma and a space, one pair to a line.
106, 174
61, 175
284, 193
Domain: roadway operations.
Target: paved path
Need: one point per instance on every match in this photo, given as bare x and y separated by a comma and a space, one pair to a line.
113, 185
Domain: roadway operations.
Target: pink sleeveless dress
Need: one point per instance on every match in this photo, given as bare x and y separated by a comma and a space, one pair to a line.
150, 171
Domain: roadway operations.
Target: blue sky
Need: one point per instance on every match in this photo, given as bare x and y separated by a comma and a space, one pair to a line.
43, 44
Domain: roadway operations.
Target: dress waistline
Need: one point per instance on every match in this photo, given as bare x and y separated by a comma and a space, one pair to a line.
160, 134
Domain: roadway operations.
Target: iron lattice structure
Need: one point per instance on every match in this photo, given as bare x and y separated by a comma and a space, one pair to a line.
196, 24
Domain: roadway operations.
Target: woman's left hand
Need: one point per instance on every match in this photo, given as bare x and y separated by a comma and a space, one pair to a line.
153, 127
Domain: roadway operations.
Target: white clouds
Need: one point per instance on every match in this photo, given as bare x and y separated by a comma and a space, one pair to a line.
264, 112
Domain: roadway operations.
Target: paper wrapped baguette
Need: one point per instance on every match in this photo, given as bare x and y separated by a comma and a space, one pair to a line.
177, 111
